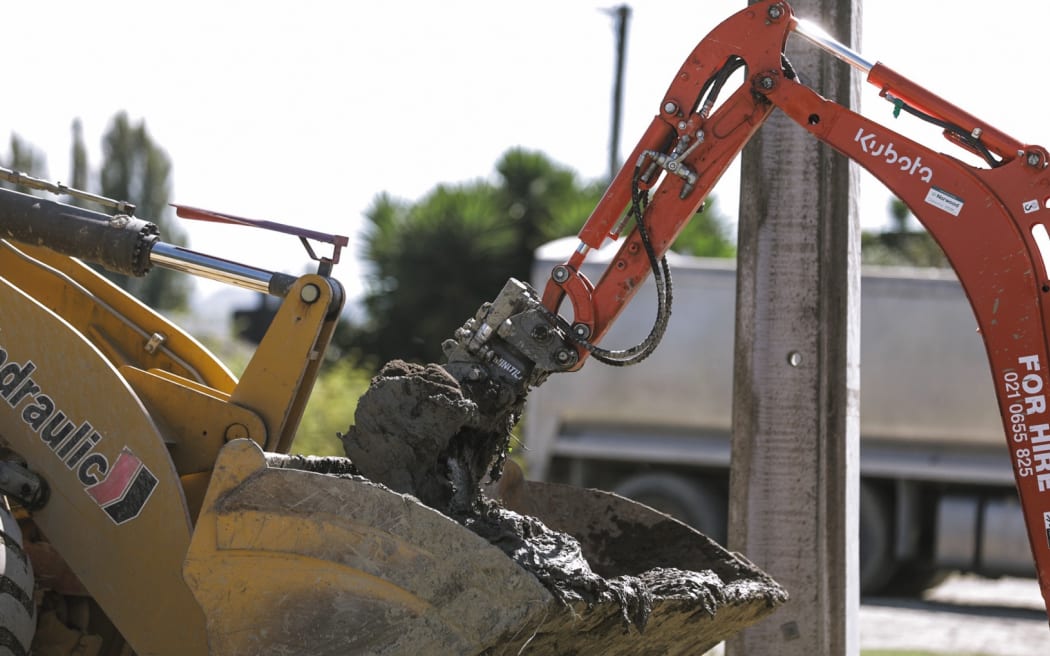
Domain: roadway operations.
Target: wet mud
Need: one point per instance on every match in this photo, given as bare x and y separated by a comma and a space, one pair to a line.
615, 568
419, 431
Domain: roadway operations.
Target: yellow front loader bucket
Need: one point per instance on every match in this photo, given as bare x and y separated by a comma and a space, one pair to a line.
285, 561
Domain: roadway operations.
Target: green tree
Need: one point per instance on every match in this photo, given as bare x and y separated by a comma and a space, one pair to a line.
78, 158
23, 157
542, 201
706, 234
901, 246
434, 262
134, 168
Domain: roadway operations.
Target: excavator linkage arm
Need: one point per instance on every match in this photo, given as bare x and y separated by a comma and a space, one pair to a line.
988, 219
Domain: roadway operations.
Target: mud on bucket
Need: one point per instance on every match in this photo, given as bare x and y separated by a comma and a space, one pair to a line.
285, 561
655, 585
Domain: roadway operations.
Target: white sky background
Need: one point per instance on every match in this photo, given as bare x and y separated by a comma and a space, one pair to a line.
302, 112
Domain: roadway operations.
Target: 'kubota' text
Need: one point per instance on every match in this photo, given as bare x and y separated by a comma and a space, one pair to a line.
886, 152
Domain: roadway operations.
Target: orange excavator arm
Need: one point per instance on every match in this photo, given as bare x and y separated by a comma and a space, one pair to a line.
988, 219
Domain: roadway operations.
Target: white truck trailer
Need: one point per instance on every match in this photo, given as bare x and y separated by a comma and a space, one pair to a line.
937, 491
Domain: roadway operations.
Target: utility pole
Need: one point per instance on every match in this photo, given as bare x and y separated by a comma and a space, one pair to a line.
621, 15
794, 483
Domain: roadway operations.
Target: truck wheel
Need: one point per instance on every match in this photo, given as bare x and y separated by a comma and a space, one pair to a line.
17, 608
696, 503
877, 563
914, 578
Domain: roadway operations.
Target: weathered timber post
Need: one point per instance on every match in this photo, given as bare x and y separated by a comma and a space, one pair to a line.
795, 454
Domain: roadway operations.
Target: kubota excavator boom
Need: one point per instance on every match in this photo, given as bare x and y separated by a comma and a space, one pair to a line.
988, 219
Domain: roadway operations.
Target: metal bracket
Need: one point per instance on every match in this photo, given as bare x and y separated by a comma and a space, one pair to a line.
325, 263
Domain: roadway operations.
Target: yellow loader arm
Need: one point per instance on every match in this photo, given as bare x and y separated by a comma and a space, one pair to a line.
123, 414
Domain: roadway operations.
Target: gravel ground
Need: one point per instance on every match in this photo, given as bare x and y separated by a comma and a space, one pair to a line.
964, 616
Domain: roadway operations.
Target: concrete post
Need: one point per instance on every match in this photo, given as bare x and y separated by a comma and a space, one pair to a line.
794, 482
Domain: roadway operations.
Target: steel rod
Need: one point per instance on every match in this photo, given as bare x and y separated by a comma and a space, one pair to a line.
816, 35
181, 259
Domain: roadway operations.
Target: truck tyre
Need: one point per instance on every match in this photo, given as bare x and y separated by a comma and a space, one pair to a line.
699, 504
17, 608
877, 564
914, 578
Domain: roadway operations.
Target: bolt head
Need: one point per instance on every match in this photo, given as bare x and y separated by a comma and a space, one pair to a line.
541, 333
560, 273
670, 108
776, 12
565, 357
766, 83
310, 293
1034, 159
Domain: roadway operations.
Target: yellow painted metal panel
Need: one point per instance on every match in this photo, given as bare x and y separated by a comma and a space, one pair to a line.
119, 324
116, 512
277, 381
